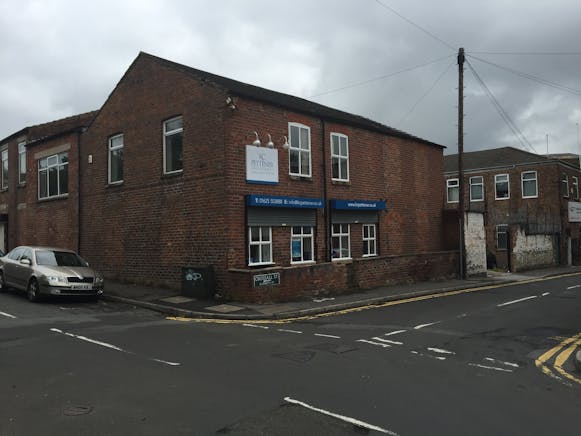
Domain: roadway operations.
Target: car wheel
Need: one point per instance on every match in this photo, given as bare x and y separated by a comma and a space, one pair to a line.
33, 293
2, 282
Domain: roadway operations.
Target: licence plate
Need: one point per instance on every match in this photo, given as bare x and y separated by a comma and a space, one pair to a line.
82, 287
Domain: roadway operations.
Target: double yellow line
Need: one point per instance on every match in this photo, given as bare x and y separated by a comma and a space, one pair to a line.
565, 349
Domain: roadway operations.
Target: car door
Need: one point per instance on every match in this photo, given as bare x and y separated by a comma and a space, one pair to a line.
11, 266
23, 271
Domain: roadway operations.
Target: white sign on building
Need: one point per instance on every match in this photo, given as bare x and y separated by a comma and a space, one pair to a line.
261, 165
574, 212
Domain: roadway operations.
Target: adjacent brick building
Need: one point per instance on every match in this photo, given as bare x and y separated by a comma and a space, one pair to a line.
188, 179
530, 205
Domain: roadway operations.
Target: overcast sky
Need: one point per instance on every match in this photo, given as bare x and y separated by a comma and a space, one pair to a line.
63, 57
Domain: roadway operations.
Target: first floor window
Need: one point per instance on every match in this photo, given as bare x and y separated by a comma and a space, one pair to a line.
302, 244
299, 150
116, 159
501, 186
340, 244
5, 168
529, 184
564, 185
173, 148
575, 182
260, 245
22, 162
476, 188
502, 237
339, 157
369, 240
453, 189
53, 175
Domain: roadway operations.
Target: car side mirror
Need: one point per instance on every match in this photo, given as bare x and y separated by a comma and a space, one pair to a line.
25, 262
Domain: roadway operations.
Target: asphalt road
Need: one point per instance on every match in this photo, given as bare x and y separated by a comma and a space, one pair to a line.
480, 363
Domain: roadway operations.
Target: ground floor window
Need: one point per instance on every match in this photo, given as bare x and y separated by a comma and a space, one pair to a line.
259, 245
502, 237
369, 240
340, 243
302, 244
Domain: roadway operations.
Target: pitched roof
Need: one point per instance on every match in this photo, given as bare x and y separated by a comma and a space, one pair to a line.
285, 100
493, 158
42, 131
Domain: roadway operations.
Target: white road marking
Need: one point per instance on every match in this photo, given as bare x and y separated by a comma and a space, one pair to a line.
545, 294
494, 368
7, 315
517, 301
256, 326
290, 331
490, 359
320, 300
440, 351
353, 421
573, 287
327, 336
395, 332
417, 353
379, 344
462, 316
421, 326
106, 345
387, 341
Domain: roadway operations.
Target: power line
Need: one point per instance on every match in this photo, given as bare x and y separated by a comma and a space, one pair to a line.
515, 130
375, 79
425, 94
417, 26
529, 53
531, 77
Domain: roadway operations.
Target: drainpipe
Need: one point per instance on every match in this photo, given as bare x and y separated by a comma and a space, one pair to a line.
79, 166
326, 214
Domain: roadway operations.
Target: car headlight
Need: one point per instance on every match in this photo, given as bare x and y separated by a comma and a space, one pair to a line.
56, 280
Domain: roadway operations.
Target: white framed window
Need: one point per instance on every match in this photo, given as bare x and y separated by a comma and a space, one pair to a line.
21, 163
502, 237
564, 185
453, 190
501, 187
340, 242
299, 150
369, 240
5, 168
53, 175
259, 245
302, 244
575, 183
339, 157
173, 147
529, 184
116, 144
477, 188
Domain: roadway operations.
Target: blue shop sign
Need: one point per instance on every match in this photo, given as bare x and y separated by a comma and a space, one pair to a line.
358, 205
275, 201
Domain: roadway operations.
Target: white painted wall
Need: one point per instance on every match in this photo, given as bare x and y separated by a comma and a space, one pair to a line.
532, 251
475, 240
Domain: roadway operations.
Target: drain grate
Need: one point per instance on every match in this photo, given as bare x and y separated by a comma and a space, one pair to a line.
77, 410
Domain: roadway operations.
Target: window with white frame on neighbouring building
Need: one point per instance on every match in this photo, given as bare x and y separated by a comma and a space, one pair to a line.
302, 244
502, 237
529, 184
53, 175
173, 147
339, 157
564, 185
21, 163
116, 144
575, 182
369, 240
299, 150
340, 241
501, 187
259, 245
5, 168
476, 188
453, 190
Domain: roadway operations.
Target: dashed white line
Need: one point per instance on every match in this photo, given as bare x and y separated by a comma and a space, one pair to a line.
166, 362
93, 341
353, 421
379, 344
397, 332
490, 359
517, 301
7, 315
387, 341
440, 351
573, 287
327, 336
421, 326
494, 368
256, 326
290, 331
545, 294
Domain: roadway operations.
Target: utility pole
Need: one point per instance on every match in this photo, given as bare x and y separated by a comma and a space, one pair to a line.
461, 59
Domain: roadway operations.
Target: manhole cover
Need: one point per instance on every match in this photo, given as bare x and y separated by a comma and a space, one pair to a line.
299, 356
77, 410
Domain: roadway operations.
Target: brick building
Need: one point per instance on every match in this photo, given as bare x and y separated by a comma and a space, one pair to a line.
39, 184
185, 178
530, 205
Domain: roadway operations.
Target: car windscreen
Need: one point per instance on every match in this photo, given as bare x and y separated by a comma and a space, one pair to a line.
58, 258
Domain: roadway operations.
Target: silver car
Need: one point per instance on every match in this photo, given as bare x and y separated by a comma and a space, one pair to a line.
48, 271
